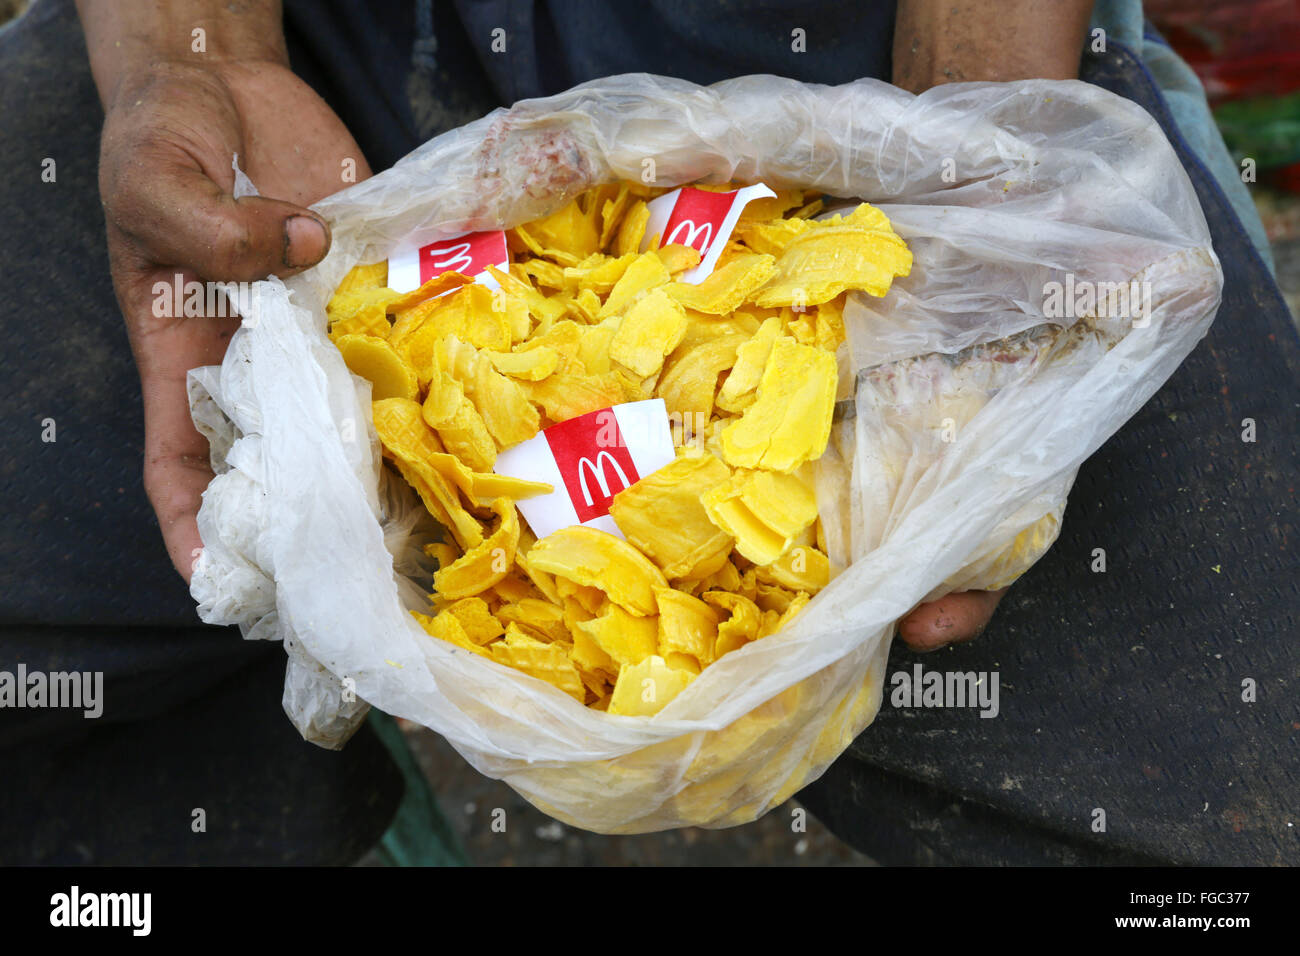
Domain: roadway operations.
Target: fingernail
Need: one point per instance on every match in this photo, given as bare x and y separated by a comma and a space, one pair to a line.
304, 241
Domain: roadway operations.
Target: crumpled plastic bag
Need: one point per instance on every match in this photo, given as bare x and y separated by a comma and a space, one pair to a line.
967, 415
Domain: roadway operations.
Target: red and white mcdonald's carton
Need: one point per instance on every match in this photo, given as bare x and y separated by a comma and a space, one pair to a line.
588, 460
700, 219
414, 262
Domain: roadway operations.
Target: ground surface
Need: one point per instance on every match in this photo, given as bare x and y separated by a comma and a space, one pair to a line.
533, 839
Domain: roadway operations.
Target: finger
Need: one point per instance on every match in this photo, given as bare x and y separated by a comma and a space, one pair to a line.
176, 456
176, 463
949, 620
176, 214
175, 486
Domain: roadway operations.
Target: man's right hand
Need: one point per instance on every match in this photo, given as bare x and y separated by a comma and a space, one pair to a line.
173, 121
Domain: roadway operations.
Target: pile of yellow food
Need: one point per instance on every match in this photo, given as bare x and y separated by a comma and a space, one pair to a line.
723, 545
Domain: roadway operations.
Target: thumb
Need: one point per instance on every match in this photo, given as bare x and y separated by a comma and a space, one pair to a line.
186, 219
950, 620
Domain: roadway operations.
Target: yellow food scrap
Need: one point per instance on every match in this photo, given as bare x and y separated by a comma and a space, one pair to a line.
588, 303
589, 656
650, 329
770, 238
771, 207
686, 625
635, 389
727, 287
662, 515
769, 625
808, 211
645, 272
802, 568
442, 501
402, 430
511, 589
410, 310
406, 436
441, 552
625, 638
726, 578
466, 315
519, 239
598, 274
801, 325
458, 423
772, 597
690, 379
361, 312
764, 511
544, 273
631, 231
563, 337
830, 324
797, 604
678, 258
748, 582
597, 559
544, 583
737, 392
701, 328
790, 421
645, 689
507, 413
571, 391
740, 627
476, 619
447, 627
475, 314
363, 277
435, 288
482, 487
544, 310
532, 366
537, 618
593, 346
483, 566
611, 214
858, 251
683, 662
376, 361
570, 230
547, 662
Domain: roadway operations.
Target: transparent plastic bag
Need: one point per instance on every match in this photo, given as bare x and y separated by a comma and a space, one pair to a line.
967, 414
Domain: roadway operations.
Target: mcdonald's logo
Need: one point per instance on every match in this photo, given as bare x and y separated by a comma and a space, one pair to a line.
593, 460
598, 472
693, 233
697, 218
469, 254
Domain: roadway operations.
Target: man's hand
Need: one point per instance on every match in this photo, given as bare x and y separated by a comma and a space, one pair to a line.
946, 41
173, 120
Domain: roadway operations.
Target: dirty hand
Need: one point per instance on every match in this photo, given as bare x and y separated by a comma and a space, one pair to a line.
173, 120
942, 41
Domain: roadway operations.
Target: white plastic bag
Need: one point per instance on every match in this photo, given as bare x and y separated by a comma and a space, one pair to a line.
949, 471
